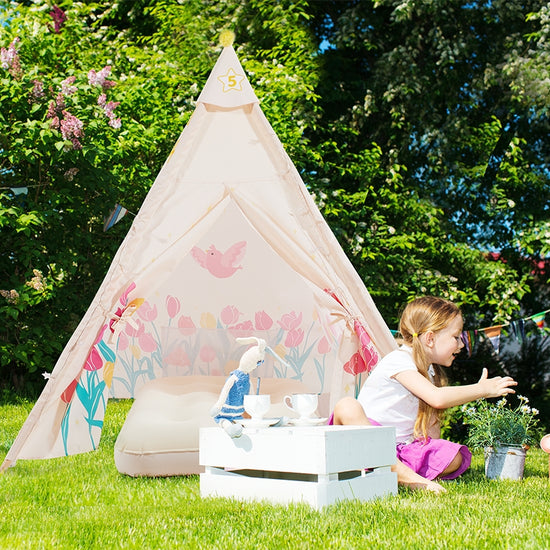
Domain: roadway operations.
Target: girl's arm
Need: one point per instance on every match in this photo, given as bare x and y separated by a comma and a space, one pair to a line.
451, 396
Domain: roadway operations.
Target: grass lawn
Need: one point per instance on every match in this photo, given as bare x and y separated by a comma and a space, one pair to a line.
83, 502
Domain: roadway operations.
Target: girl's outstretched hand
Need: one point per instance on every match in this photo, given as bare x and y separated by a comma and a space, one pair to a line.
497, 386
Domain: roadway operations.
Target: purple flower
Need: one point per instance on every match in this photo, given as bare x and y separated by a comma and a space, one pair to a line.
71, 126
115, 123
71, 173
11, 296
51, 110
56, 108
71, 129
38, 90
67, 87
59, 18
108, 108
9, 59
100, 78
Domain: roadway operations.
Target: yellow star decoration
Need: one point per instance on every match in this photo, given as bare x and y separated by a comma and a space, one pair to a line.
231, 81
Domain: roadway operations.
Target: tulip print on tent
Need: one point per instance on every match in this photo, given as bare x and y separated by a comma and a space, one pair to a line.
86, 396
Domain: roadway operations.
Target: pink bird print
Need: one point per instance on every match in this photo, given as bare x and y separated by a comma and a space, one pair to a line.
220, 264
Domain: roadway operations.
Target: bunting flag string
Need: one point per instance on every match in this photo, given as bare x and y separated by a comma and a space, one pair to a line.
12, 188
493, 333
19, 190
538, 319
114, 216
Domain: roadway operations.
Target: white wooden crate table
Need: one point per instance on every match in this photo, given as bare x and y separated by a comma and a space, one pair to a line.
318, 465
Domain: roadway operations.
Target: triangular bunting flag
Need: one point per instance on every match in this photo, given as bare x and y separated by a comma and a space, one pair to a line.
114, 216
518, 329
538, 319
493, 333
469, 339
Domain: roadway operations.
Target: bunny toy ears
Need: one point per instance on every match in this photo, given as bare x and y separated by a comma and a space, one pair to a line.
255, 356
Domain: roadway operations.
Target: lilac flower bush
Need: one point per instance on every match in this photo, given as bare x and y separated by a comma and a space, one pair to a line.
9, 58
73, 142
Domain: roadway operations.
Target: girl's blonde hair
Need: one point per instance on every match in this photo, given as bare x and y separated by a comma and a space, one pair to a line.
419, 316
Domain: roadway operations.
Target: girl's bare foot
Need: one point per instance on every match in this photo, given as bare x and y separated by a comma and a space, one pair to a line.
410, 479
427, 485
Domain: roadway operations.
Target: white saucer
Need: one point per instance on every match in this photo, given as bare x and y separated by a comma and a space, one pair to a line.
308, 421
258, 422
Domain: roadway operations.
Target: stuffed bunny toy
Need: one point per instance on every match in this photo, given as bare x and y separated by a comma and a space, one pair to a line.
229, 406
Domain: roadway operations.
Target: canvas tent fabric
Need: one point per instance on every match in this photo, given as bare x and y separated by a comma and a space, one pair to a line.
227, 243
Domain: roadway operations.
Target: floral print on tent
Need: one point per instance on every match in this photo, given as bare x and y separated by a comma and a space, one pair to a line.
207, 346
143, 352
162, 340
87, 392
366, 357
167, 341
89, 389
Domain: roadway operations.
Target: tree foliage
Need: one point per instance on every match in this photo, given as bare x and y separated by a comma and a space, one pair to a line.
420, 126
450, 94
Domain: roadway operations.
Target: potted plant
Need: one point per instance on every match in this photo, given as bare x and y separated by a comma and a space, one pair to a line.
504, 432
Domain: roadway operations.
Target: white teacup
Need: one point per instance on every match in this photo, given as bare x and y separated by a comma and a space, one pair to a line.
257, 405
305, 404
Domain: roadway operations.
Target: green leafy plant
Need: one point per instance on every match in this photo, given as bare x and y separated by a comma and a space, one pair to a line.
498, 424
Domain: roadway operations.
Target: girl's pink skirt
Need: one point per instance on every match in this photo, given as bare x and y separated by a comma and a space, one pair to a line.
430, 458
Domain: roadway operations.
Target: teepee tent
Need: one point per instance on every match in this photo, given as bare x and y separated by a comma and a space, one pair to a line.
227, 243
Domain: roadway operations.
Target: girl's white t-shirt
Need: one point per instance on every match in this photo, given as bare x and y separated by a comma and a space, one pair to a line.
385, 400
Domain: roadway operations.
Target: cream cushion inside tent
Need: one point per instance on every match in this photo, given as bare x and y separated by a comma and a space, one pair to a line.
160, 436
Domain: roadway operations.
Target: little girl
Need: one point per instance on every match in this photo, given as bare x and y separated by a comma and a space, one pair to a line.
407, 390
